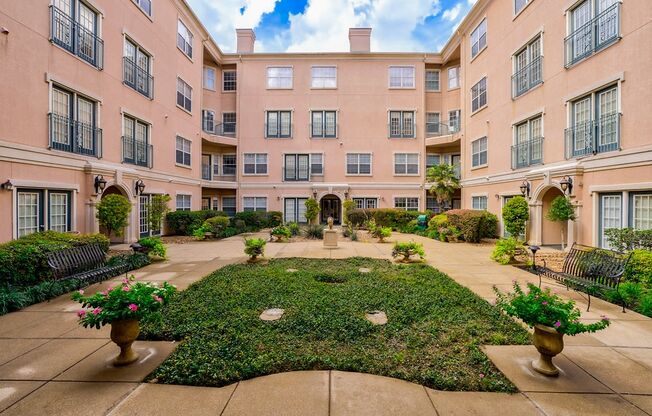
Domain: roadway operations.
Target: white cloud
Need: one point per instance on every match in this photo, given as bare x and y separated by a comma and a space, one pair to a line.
222, 17
471, 2
453, 13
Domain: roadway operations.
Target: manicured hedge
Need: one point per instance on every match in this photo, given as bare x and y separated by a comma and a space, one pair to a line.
397, 219
474, 225
186, 222
24, 262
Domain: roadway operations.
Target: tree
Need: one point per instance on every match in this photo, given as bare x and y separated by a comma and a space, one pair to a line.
347, 206
561, 210
516, 212
444, 183
312, 210
157, 209
113, 213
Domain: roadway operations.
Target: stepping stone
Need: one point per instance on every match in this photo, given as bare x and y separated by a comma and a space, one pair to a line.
291, 270
273, 314
376, 317
364, 270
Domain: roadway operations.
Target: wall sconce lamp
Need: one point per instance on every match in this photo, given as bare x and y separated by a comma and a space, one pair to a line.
100, 184
525, 189
7, 185
566, 185
140, 187
314, 193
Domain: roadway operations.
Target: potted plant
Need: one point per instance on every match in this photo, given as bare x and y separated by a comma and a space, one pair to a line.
381, 233
123, 306
254, 247
281, 232
550, 316
407, 250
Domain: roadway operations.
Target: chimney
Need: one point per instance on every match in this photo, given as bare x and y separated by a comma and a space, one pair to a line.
360, 39
246, 40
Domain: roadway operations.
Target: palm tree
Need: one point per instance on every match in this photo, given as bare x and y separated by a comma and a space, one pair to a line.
444, 182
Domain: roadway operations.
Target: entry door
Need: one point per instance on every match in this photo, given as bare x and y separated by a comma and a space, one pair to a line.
143, 210
330, 208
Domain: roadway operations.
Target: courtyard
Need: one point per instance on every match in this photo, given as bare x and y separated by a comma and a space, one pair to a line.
50, 365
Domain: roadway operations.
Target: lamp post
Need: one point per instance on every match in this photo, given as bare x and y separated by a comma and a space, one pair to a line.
566, 185
534, 250
100, 184
140, 187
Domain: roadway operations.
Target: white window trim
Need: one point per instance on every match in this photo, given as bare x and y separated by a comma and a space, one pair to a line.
291, 87
192, 35
426, 80
406, 153
459, 84
371, 163
417, 197
204, 79
389, 81
323, 66
255, 164
486, 78
473, 58
518, 13
149, 16
224, 71
181, 165
256, 196
487, 151
191, 99
46, 188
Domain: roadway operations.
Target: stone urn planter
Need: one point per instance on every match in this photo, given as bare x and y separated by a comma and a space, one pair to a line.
549, 343
124, 332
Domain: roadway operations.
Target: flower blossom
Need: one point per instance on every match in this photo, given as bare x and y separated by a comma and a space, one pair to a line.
81, 313
133, 307
544, 303
80, 291
157, 298
125, 289
97, 311
557, 324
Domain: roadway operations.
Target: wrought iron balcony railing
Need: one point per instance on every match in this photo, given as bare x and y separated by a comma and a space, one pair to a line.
75, 38
73, 136
528, 77
138, 78
527, 153
597, 34
592, 137
220, 129
137, 152
441, 129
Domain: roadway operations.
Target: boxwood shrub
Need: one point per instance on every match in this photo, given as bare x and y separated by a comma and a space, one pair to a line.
186, 222
474, 225
397, 219
24, 262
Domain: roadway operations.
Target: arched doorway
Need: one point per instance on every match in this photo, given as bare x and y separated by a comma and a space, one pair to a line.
551, 231
116, 190
330, 206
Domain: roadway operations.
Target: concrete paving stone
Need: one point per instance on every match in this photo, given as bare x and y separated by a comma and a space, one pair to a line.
627, 334
365, 394
286, 394
61, 303
613, 369
71, 399
643, 402
583, 339
451, 403
50, 359
12, 348
562, 404
515, 362
168, 400
642, 356
99, 365
13, 391
87, 333
37, 324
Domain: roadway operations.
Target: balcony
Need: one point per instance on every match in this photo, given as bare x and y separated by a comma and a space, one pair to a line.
73, 136
227, 129
528, 77
76, 39
137, 152
441, 129
138, 78
592, 137
527, 153
595, 35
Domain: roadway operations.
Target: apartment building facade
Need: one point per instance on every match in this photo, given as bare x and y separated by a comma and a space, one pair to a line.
134, 97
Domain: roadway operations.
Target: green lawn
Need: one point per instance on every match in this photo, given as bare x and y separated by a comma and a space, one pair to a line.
433, 336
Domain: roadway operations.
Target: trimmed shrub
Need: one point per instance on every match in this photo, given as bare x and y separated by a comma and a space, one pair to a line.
407, 250
628, 239
186, 222
312, 210
216, 225
438, 221
489, 226
409, 228
516, 212
506, 250
396, 219
154, 244
639, 268
469, 222
294, 228
253, 220
274, 218
254, 247
24, 262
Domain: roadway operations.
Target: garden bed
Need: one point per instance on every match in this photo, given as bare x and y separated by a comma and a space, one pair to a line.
433, 335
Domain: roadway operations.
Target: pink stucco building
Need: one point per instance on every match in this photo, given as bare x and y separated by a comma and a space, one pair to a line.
526, 94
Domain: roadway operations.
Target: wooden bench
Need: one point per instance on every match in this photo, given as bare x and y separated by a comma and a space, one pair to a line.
86, 263
589, 268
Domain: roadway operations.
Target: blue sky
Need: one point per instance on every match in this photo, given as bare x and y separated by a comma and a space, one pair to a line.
322, 25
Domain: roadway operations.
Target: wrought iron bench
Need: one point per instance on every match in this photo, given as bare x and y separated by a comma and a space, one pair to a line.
589, 268
86, 263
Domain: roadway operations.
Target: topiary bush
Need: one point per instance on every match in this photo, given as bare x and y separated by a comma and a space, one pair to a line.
516, 212
407, 250
506, 250
312, 210
254, 247
489, 226
24, 262
216, 225
186, 222
469, 222
113, 213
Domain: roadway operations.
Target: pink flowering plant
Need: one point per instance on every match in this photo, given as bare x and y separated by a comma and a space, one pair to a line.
536, 306
127, 300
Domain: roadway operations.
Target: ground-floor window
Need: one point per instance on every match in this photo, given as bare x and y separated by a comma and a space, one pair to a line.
295, 210
205, 203
254, 203
361, 203
144, 227
611, 206
433, 205
184, 202
641, 210
479, 202
228, 205
43, 209
406, 203
611, 213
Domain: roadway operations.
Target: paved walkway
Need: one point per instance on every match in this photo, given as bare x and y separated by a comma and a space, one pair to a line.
50, 366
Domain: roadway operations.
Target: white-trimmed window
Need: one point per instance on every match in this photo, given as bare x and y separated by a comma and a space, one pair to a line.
519, 5
401, 124
254, 203
34, 204
209, 78
229, 124
528, 143
184, 39
183, 153
595, 123
229, 80
432, 123
453, 77
184, 202
479, 202
294, 210
406, 203
358, 163
229, 164
454, 120
611, 207
278, 124
73, 123
641, 203
228, 206
316, 164
433, 159
432, 80
406, 164
323, 124
361, 203
255, 163
279, 77
479, 95
59, 211
137, 69
145, 5
401, 77
184, 95
479, 152
479, 38
528, 67
296, 167
135, 142
324, 77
